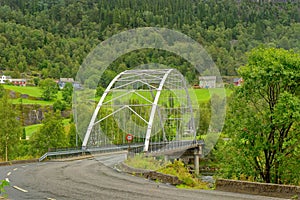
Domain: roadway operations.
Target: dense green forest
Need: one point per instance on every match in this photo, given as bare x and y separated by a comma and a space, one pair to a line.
51, 38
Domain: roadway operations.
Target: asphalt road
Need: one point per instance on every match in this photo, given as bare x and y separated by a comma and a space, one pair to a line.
91, 179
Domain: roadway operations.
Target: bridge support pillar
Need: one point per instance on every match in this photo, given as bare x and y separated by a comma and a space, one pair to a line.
197, 154
166, 158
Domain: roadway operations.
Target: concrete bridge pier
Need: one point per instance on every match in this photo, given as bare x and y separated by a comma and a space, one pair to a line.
197, 154
166, 158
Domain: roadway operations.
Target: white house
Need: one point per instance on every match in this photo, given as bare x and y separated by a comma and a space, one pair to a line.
5, 79
62, 82
15, 81
207, 81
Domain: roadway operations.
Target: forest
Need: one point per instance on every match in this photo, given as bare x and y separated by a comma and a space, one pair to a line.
50, 39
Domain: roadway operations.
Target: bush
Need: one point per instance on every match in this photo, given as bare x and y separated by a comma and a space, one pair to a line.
178, 169
3, 184
59, 105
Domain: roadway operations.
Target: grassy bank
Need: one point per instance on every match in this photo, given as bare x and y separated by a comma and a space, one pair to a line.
29, 90
176, 168
33, 93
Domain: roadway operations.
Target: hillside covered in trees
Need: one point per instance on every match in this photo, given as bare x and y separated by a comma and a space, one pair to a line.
51, 38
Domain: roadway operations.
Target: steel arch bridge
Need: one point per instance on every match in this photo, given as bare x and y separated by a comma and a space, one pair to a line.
154, 105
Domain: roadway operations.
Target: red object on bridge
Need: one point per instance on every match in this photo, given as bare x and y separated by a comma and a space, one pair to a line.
129, 137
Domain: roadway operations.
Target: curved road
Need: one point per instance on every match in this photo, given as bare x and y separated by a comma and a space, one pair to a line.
91, 179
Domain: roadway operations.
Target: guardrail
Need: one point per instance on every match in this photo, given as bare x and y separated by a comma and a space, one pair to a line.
43, 157
76, 151
135, 147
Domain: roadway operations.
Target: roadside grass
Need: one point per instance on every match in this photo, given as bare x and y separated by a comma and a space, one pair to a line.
142, 162
176, 168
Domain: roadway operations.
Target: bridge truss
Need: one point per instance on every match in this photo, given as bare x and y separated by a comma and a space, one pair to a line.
154, 105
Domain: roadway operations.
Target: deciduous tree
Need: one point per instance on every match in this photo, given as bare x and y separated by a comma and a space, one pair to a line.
2, 91
263, 119
10, 131
50, 135
49, 88
67, 92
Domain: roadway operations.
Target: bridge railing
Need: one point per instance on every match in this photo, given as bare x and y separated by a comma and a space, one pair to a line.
133, 148
67, 151
64, 149
175, 144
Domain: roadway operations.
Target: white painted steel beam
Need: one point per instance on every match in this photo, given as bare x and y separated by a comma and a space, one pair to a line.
90, 127
153, 110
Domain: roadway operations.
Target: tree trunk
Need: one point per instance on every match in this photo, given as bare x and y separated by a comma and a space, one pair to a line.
268, 172
6, 154
277, 173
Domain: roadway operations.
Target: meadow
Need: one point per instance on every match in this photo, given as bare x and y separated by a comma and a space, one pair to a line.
202, 95
31, 129
29, 90
34, 94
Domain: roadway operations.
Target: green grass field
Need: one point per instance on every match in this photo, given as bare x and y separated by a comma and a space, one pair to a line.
30, 90
28, 101
202, 95
31, 129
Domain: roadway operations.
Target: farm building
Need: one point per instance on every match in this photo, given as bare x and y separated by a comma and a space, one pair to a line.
237, 81
207, 81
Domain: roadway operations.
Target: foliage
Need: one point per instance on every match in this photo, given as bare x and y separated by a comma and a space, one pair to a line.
67, 93
72, 136
36, 81
49, 88
178, 169
10, 130
51, 39
24, 151
32, 129
204, 120
99, 91
29, 101
50, 135
263, 119
31, 91
23, 137
2, 91
3, 184
59, 105
142, 162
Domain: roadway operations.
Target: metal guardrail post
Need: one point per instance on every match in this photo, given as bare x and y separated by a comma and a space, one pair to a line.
43, 157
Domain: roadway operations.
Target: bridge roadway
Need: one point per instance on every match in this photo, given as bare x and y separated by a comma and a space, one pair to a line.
95, 178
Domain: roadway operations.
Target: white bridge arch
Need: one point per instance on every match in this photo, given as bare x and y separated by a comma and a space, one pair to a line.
169, 106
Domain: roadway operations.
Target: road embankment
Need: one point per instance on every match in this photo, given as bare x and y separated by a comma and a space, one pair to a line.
150, 174
13, 162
